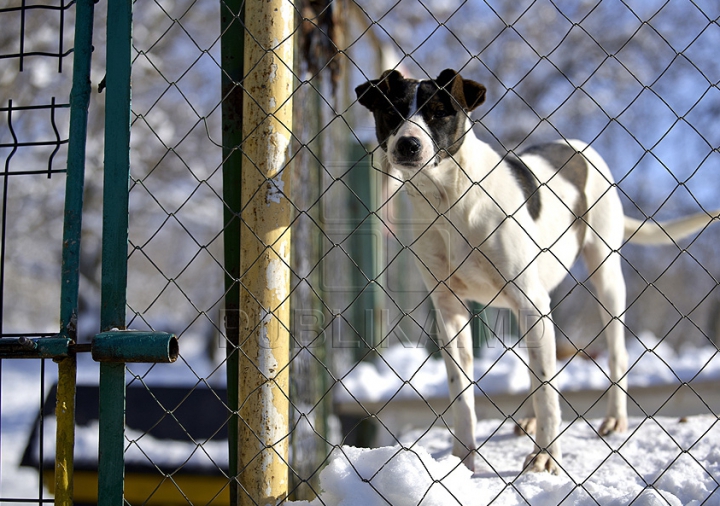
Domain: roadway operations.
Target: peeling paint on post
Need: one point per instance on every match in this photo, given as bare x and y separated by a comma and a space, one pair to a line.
265, 254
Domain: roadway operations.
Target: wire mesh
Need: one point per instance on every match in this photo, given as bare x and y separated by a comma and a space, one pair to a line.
637, 82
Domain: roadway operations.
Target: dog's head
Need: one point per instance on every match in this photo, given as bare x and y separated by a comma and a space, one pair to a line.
420, 123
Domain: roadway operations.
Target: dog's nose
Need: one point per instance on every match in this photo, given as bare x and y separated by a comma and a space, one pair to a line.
408, 147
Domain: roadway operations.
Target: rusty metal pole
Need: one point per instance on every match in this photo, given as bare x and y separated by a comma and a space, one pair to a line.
265, 253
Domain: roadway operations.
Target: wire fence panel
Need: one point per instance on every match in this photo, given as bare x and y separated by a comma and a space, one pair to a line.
374, 320
635, 83
36, 67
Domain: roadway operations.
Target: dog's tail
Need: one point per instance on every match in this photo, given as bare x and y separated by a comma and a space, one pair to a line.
666, 232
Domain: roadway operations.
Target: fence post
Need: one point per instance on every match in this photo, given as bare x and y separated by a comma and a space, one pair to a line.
111, 462
265, 253
67, 367
232, 51
365, 252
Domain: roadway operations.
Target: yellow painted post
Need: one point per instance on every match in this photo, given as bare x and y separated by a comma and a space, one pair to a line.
65, 436
265, 253
72, 226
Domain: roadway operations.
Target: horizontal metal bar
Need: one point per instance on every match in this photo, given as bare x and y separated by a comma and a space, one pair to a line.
42, 347
31, 144
32, 172
37, 53
80, 348
36, 7
4, 500
135, 346
42, 107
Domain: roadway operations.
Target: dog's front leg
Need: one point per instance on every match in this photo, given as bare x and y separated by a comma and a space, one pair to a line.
457, 351
539, 338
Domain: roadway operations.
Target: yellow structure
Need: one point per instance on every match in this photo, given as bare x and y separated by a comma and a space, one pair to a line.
152, 490
265, 253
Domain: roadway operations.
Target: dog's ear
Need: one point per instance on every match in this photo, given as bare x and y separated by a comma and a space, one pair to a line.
467, 94
373, 94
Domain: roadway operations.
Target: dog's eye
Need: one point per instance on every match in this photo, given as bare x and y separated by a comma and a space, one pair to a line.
441, 113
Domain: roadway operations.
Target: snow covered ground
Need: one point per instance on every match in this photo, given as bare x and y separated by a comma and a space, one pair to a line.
662, 461
20, 404
410, 373
20, 401
658, 462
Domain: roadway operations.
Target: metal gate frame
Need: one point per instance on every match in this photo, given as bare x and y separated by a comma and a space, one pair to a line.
115, 345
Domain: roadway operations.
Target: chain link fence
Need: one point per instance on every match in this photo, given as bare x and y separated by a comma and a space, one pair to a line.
635, 82
370, 409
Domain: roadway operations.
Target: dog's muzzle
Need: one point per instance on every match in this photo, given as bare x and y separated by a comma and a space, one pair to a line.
408, 148
408, 151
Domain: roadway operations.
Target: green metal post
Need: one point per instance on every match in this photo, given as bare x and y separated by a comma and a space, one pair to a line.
232, 53
480, 328
366, 249
365, 252
111, 468
74, 185
79, 103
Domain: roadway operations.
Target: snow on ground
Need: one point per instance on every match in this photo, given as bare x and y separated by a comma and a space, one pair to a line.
411, 373
20, 403
658, 462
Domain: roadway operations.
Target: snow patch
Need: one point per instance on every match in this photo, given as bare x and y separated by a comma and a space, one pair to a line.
505, 370
638, 467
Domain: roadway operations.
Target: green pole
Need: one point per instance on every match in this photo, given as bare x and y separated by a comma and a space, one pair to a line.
72, 226
111, 465
365, 246
232, 51
79, 103
480, 328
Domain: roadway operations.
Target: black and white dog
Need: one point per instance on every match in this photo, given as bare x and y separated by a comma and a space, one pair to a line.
504, 231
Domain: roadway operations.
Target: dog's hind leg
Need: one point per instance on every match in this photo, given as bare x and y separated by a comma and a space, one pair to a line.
457, 351
606, 275
603, 240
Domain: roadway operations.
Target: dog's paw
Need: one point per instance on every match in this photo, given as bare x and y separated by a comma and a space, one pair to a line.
469, 462
466, 457
525, 426
613, 424
540, 462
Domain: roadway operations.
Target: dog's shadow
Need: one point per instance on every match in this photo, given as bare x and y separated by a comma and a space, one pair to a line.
487, 471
